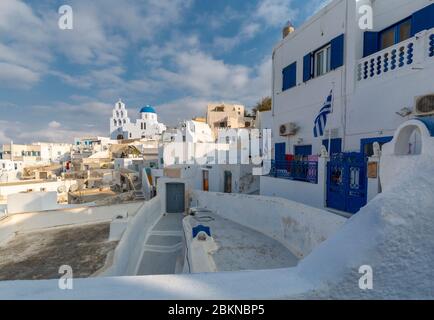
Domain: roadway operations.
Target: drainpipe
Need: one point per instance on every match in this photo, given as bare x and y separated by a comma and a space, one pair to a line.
272, 84
344, 91
272, 99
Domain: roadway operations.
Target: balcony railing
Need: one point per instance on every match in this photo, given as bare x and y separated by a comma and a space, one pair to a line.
399, 56
306, 171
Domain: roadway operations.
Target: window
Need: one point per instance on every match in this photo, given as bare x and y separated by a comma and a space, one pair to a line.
323, 61
387, 38
395, 34
289, 76
404, 30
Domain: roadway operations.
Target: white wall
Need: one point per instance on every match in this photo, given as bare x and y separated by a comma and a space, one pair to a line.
129, 249
299, 227
49, 219
12, 188
32, 202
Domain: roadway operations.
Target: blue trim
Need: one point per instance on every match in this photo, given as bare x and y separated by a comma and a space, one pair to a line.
371, 43
422, 19
429, 123
289, 76
307, 67
337, 52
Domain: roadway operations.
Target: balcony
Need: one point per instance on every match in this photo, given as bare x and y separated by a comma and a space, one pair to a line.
306, 171
416, 50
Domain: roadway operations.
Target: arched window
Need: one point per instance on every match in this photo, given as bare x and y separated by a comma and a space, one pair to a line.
117, 114
122, 114
125, 121
115, 123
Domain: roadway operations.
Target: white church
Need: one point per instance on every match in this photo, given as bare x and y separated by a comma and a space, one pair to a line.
147, 126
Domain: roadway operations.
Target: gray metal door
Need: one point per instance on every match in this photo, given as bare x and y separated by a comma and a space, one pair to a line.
175, 198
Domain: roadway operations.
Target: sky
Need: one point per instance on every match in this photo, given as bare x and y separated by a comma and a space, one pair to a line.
177, 55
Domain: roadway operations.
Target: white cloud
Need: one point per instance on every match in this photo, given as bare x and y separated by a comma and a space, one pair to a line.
276, 13
17, 76
30, 40
54, 125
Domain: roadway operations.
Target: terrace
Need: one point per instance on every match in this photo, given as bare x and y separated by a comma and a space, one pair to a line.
407, 55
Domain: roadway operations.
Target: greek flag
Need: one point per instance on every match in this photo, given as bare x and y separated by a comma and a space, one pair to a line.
321, 119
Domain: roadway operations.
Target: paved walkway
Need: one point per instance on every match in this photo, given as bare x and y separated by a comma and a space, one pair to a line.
241, 248
162, 252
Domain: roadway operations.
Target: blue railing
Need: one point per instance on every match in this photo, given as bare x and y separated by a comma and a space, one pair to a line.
306, 171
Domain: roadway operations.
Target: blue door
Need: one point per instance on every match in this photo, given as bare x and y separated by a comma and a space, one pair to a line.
175, 198
280, 151
347, 182
335, 145
303, 150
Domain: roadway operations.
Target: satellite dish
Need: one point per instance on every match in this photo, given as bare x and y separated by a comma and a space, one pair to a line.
73, 188
61, 189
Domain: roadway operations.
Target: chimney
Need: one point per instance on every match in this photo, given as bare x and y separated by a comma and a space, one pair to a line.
287, 29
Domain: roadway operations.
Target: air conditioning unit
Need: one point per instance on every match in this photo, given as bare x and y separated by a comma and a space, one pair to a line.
424, 105
288, 129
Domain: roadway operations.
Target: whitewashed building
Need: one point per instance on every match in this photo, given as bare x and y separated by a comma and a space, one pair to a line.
10, 170
370, 81
55, 152
147, 126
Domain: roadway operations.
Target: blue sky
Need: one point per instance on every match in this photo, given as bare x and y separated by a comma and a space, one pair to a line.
177, 55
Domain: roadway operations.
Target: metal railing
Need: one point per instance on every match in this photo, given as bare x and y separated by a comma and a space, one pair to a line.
306, 171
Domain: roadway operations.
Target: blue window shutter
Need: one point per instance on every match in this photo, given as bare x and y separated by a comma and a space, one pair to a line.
422, 19
337, 59
371, 42
289, 77
307, 67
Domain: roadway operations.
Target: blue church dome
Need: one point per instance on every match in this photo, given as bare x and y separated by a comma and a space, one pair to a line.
147, 109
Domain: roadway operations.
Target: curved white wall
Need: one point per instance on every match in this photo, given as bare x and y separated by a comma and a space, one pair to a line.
299, 227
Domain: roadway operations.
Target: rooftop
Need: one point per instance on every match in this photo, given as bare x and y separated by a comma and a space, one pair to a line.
38, 255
